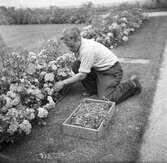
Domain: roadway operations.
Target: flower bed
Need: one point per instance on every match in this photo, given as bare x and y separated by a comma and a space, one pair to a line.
27, 87
87, 120
114, 28
27, 79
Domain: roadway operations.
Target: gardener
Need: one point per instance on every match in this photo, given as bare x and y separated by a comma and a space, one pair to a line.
98, 69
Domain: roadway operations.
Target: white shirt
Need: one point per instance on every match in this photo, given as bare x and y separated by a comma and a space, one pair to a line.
95, 55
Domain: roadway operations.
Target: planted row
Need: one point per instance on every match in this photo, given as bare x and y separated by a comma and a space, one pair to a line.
114, 29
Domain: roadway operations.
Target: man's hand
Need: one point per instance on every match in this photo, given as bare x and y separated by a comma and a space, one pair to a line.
58, 86
77, 77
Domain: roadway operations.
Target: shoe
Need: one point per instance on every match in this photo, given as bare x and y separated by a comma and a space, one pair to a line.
135, 80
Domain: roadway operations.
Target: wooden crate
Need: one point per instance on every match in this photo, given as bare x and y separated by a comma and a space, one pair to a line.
82, 132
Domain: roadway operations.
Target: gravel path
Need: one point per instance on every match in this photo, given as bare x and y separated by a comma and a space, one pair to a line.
154, 148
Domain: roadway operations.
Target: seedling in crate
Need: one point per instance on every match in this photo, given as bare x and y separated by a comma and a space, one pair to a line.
88, 119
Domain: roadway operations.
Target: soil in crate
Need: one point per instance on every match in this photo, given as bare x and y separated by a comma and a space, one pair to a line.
90, 114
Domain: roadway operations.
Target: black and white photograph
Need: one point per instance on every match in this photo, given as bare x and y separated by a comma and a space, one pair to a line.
83, 81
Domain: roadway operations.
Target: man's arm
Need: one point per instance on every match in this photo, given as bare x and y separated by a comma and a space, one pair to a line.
77, 77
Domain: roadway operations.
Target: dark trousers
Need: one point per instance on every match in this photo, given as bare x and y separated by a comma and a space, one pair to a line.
107, 84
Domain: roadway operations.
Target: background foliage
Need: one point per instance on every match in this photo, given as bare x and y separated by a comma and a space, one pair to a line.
52, 15
73, 15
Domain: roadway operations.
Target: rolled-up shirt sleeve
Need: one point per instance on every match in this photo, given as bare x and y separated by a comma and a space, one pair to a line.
87, 60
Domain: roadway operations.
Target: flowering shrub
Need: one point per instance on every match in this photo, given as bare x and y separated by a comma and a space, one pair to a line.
115, 28
14, 64
27, 87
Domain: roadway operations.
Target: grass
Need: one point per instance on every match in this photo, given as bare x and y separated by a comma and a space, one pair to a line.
31, 37
122, 138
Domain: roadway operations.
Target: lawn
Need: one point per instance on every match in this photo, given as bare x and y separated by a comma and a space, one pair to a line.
122, 138
31, 37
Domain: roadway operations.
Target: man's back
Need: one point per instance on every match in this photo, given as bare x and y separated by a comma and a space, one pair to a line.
100, 56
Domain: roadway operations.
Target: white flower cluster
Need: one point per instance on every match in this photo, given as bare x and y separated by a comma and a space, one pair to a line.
29, 114
13, 127
15, 116
49, 105
42, 112
13, 112
25, 127
35, 91
125, 38
114, 26
52, 65
12, 97
32, 57
49, 77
